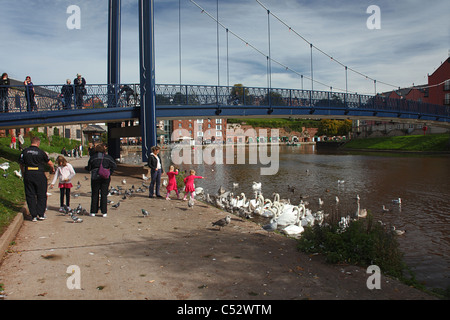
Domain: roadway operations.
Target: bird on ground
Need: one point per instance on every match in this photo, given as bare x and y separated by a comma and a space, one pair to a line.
5, 175
191, 203
4, 166
116, 205
75, 218
271, 226
144, 177
78, 185
144, 212
86, 178
18, 173
124, 181
222, 222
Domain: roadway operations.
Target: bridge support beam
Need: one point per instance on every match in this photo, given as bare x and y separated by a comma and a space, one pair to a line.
147, 76
114, 37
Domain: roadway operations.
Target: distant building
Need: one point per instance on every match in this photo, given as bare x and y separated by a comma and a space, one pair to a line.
439, 84
201, 131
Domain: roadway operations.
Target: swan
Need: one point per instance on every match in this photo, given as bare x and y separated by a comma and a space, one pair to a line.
397, 201
385, 209
4, 166
256, 187
307, 219
254, 203
361, 213
398, 232
288, 216
271, 212
320, 202
294, 229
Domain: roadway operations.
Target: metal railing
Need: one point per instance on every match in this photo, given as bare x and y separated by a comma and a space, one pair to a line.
58, 97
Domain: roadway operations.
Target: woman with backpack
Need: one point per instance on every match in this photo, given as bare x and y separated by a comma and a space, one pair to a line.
98, 163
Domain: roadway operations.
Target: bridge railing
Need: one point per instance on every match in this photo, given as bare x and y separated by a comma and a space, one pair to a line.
59, 97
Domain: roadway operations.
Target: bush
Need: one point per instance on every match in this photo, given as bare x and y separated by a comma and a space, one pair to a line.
362, 243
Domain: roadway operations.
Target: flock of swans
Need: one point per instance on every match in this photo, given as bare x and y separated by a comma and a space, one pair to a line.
289, 219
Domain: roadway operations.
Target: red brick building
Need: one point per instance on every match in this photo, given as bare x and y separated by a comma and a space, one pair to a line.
199, 130
439, 85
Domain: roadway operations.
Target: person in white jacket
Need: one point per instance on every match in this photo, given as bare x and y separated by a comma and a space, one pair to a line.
65, 173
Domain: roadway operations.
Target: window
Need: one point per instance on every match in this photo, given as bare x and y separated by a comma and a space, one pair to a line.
218, 133
199, 120
447, 85
218, 127
219, 121
447, 99
199, 134
179, 125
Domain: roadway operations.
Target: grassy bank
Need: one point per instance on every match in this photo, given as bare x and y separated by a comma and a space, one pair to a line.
415, 143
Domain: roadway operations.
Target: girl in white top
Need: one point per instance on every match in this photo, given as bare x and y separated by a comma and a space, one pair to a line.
65, 173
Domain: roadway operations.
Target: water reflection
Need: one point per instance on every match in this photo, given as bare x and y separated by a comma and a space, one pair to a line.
420, 181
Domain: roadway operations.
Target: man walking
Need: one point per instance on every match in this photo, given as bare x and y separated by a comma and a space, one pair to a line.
32, 164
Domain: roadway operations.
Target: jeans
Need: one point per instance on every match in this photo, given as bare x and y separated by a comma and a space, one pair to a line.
156, 179
36, 193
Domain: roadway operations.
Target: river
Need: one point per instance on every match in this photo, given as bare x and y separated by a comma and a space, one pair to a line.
421, 181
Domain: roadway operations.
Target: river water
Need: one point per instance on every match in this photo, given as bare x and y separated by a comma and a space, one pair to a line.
421, 181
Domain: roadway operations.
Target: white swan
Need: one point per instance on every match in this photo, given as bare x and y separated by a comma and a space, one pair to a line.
272, 211
320, 202
288, 216
294, 229
361, 213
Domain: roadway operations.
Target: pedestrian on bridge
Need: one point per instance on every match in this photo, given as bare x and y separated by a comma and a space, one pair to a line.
4, 83
67, 93
30, 94
80, 90
33, 162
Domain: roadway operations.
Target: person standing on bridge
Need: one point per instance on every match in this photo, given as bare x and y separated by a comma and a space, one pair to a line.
4, 82
80, 90
32, 162
30, 94
67, 93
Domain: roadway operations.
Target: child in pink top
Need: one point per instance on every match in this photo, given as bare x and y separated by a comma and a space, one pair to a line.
189, 182
172, 184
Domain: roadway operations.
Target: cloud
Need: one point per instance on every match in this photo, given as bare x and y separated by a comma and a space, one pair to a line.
414, 38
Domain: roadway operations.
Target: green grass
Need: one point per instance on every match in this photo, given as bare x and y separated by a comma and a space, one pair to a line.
289, 124
418, 143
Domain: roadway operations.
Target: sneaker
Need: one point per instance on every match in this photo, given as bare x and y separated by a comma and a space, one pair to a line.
105, 215
34, 219
92, 214
167, 198
44, 217
61, 209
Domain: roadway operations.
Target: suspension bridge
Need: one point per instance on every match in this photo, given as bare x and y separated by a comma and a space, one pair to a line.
113, 103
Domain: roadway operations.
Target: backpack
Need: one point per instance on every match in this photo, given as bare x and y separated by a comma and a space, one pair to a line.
102, 172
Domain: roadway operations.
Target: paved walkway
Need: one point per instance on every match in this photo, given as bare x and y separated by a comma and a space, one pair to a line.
173, 254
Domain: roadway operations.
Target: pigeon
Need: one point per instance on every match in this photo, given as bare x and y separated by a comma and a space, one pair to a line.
222, 222
116, 205
18, 173
144, 212
124, 181
144, 177
78, 185
86, 178
272, 226
67, 210
76, 219
5, 175
191, 203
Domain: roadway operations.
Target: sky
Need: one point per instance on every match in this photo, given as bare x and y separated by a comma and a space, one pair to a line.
412, 41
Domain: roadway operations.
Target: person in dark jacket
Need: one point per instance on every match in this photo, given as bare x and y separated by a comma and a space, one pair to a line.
4, 81
30, 95
100, 186
155, 164
80, 90
33, 162
67, 93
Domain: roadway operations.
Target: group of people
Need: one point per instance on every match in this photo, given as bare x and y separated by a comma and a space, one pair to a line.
74, 153
33, 162
13, 144
69, 92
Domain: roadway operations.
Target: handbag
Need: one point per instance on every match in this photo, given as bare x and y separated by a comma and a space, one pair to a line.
102, 172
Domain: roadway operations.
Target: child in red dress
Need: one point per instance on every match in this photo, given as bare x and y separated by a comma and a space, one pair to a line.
189, 182
172, 184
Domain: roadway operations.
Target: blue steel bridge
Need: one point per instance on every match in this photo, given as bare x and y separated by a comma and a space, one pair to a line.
110, 104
